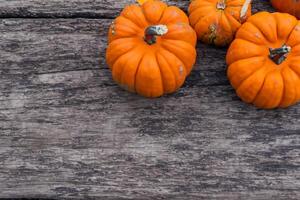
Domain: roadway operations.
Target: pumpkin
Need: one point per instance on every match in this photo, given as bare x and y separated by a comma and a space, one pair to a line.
216, 21
264, 60
151, 48
288, 6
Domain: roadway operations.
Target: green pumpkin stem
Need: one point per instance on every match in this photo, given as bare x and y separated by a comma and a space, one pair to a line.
278, 55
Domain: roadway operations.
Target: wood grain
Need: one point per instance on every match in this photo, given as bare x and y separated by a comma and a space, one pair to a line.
67, 131
80, 8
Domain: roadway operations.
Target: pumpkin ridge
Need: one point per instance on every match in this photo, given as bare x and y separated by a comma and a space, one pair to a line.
179, 40
236, 3
262, 33
260, 90
252, 73
223, 15
263, 39
202, 19
118, 78
120, 57
144, 15
126, 37
199, 23
292, 31
266, 71
147, 82
291, 67
288, 37
109, 50
137, 69
269, 27
172, 51
161, 14
261, 68
193, 8
199, 18
136, 28
238, 40
233, 19
184, 64
201, 7
136, 17
160, 73
178, 84
295, 98
169, 67
120, 81
295, 89
173, 33
128, 30
254, 70
283, 91
175, 18
123, 38
296, 54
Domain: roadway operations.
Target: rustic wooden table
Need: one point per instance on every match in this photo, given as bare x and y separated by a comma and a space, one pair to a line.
68, 131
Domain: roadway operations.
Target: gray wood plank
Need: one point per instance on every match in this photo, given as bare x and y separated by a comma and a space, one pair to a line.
78, 8
67, 131
65, 8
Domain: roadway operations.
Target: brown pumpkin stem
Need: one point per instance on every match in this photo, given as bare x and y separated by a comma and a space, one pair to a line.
152, 31
278, 55
221, 5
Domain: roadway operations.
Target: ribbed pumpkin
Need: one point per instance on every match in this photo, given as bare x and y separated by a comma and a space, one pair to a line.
151, 48
216, 21
288, 6
264, 60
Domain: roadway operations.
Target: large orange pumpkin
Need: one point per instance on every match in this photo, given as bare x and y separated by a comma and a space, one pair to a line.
288, 6
264, 60
151, 48
216, 21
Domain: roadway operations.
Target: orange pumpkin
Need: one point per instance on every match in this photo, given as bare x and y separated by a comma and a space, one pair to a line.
288, 6
264, 60
216, 21
151, 48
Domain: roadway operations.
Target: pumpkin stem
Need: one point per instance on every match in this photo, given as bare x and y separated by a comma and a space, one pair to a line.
244, 10
221, 5
152, 31
278, 55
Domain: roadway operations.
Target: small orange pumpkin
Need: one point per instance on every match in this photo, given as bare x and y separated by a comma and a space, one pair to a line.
216, 21
264, 60
151, 48
288, 6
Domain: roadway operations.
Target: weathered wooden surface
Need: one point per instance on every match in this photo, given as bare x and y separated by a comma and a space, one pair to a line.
78, 8
67, 131
67, 8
